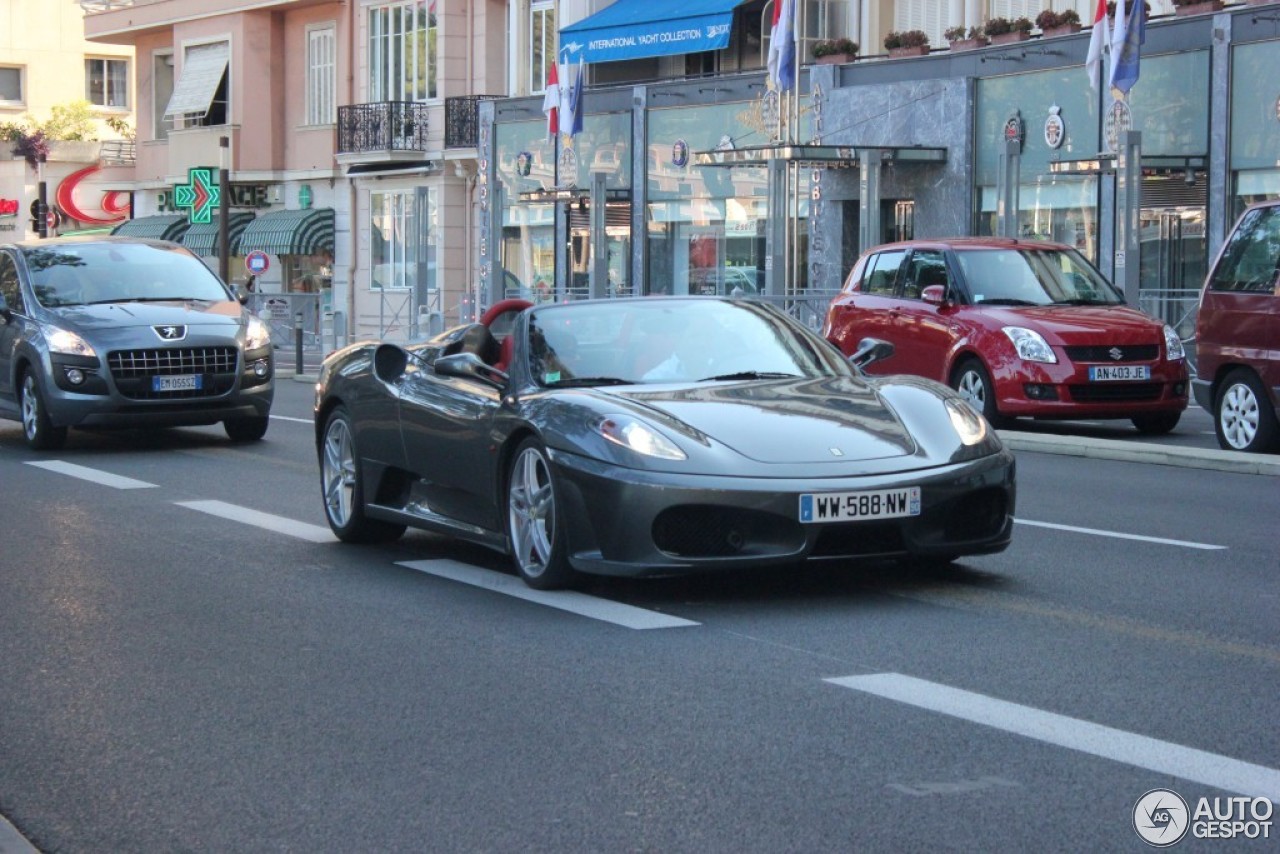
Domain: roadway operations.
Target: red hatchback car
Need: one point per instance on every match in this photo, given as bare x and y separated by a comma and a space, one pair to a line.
1019, 327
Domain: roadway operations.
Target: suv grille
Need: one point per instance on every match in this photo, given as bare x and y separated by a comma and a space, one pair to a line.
134, 369
1102, 353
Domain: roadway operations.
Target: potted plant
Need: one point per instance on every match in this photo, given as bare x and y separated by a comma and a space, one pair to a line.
1003, 30
1053, 23
835, 51
960, 39
907, 43
1196, 7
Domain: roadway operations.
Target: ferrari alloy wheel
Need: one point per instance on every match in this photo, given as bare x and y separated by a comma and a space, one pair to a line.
537, 543
37, 428
341, 488
974, 384
1243, 417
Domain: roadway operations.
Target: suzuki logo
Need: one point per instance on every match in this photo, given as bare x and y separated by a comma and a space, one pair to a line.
1116, 353
171, 333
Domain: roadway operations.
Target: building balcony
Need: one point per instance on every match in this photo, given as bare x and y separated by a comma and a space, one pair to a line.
462, 120
388, 130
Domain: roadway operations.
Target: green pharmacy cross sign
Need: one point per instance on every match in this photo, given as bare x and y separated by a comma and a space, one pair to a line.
200, 194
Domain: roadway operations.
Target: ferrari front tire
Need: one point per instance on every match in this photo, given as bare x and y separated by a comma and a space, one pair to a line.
534, 526
341, 488
37, 428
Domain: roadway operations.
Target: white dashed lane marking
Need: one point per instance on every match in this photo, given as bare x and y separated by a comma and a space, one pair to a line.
259, 519
103, 478
1186, 544
617, 613
1140, 751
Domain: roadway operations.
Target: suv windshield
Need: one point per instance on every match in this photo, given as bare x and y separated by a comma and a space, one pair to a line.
1028, 276
88, 273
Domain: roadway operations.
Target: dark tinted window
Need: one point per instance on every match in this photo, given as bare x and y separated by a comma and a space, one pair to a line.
9, 283
1252, 254
882, 272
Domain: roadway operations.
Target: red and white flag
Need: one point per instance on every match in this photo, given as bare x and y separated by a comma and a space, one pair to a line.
1097, 40
551, 103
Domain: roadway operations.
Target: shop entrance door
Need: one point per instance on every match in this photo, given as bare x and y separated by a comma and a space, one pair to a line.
579, 257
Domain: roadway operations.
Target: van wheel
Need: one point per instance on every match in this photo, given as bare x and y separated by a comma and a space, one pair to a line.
975, 386
1243, 416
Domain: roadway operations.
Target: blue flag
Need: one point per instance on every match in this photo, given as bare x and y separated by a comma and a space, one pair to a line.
1126, 46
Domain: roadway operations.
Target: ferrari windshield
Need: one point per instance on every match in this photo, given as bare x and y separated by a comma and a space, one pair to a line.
89, 273
1027, 276
690, 339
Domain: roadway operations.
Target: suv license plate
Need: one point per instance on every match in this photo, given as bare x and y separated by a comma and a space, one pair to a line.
1112, 373
182, 382
849, 506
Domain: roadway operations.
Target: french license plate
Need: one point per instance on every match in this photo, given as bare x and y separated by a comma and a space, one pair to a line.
849, 506
181, 382
1112, 373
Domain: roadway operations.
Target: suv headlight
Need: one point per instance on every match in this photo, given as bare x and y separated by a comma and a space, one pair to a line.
1030, 345
1173, 344
257, 334
68, 342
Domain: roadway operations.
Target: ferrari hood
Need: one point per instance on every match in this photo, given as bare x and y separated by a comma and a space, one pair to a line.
784, 421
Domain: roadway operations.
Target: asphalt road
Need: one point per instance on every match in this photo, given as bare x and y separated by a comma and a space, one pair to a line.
189, 661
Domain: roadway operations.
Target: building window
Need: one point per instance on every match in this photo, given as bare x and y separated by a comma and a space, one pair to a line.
402, 51
542, 43
393, 244
161, 92
106, 82
11, 85
321, 74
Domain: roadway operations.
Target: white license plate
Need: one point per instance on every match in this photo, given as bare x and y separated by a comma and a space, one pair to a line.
182, 382
848, 506
1112, 373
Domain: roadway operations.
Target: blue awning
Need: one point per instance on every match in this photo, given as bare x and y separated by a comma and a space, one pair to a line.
636, 29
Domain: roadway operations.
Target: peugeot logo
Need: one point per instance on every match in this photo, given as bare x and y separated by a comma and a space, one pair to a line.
171, 333
1116, 353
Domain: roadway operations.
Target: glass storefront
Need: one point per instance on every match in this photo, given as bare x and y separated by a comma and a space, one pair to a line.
705, 225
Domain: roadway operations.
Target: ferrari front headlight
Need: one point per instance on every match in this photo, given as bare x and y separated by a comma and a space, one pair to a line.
632, 433
257, 334
971, 427
68, 342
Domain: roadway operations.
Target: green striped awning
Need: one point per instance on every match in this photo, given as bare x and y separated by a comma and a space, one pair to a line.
165, 227
202, 237
299, 232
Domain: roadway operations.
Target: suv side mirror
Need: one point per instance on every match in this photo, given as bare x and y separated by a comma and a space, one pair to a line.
934, 294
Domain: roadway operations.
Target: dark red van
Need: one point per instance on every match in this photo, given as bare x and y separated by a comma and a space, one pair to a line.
1238, 334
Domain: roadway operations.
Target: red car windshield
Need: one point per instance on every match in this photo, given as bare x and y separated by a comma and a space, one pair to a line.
1034, 277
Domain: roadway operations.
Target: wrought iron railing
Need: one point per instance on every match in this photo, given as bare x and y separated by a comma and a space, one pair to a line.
383, 126
462, 120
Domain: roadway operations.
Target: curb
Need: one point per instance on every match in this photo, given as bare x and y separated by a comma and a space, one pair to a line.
1237, 462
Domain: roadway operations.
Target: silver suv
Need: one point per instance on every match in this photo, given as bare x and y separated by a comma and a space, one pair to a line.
120, 332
